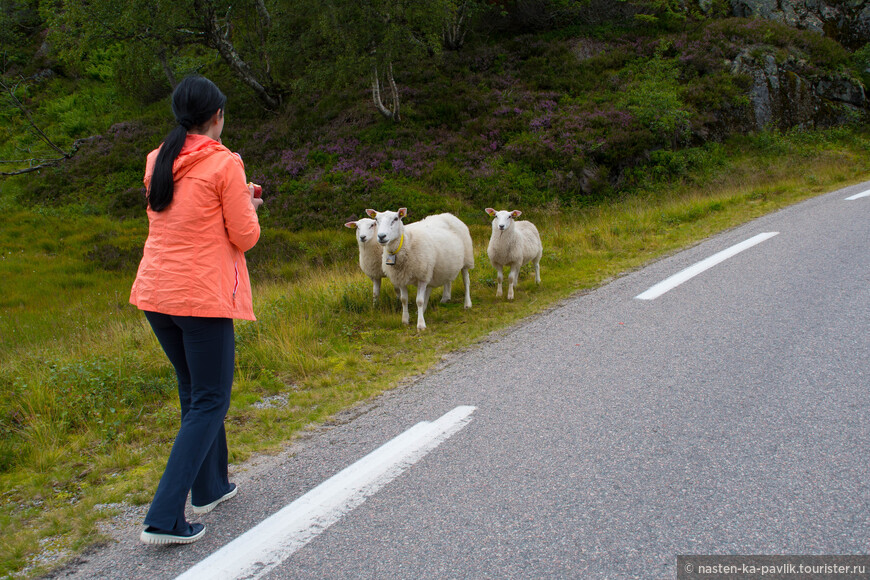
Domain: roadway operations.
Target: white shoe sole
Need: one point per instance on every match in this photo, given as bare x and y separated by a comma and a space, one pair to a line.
163, 539
204, 509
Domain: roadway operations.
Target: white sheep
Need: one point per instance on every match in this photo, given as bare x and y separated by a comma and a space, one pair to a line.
425, 254
513, 244
370, 252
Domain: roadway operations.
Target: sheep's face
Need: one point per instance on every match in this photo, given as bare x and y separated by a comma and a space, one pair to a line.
504, 220
366, 230
389, 225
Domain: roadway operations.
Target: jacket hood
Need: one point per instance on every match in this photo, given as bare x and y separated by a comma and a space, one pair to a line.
195, 149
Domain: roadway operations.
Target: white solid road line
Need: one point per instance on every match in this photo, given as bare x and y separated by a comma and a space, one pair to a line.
265, 546
859, 195
692, 271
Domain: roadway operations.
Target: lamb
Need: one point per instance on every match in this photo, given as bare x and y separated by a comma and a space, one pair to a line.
513, 244
370, 252
425, 254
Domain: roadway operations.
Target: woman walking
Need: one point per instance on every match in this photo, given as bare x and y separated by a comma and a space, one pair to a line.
191, 283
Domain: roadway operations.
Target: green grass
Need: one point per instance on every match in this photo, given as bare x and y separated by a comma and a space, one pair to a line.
87, 398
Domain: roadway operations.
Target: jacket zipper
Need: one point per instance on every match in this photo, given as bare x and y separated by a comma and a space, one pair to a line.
236, 283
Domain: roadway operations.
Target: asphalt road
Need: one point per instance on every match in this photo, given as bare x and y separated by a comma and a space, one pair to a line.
730, 415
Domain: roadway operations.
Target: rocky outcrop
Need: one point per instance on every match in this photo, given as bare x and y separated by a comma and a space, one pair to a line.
782, 97
846, 21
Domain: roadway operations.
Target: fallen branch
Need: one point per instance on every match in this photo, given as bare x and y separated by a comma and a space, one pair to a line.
45, 162
40, 163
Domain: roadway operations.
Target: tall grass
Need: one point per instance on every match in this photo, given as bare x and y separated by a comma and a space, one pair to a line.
88, 408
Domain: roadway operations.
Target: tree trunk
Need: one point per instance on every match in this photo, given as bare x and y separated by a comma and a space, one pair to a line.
219, 41
392, 112
263, 29
167, 70
453, 35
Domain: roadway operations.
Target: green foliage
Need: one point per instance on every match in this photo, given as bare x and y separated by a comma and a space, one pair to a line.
541, 15
550, 66
860, 62
668, 14
20, 36
653, 96
552, 119
729, 36
284, 255
168, 36
95, 391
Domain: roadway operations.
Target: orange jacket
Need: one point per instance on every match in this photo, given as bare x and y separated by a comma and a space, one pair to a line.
194, 258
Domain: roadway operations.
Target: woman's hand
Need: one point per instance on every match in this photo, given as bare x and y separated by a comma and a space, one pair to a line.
256, 192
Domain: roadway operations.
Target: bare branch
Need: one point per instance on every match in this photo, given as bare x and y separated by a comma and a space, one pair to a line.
20, 106
216, 36
35, 159
30, 169
36, 163
265, 17
44, 163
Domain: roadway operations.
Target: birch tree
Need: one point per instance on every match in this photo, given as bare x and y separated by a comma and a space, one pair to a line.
373, 39
457, 19
163, 29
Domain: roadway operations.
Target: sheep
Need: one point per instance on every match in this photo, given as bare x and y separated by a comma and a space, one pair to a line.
513, 244
424, 254
454, 224
370, 252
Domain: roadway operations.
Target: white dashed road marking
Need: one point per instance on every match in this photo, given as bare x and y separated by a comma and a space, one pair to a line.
859, 195
692, 271
265, 546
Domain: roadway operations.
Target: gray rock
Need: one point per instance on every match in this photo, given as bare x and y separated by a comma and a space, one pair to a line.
782, 98
846, 21
842, 90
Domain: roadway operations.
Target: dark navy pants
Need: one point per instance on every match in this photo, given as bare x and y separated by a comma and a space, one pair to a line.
202, 350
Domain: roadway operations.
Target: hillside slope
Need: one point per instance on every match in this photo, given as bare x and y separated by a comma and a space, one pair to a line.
558, 119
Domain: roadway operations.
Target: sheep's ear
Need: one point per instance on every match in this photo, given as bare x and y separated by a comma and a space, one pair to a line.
372, 213
490, 211
516, 213
350, 225
402, 212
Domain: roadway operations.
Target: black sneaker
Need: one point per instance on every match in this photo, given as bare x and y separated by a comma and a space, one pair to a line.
204, 509
152, 535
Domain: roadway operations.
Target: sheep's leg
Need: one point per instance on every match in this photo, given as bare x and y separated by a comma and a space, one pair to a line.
538, 271
466, 279
512, 280
499, 277
423, 291
403, 296
376, 288
445, 297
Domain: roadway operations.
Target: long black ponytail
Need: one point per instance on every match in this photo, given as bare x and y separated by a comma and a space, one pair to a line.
194, 101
